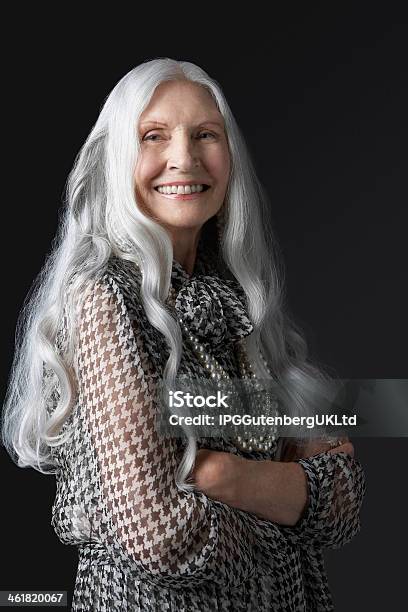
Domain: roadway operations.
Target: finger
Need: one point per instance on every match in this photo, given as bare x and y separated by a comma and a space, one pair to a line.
347, 448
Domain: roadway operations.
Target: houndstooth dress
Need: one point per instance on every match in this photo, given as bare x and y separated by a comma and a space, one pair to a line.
143, 544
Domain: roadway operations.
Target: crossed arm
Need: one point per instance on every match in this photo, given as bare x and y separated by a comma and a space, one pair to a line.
276, 491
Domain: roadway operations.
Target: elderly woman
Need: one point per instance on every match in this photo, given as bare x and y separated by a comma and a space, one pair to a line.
165, 266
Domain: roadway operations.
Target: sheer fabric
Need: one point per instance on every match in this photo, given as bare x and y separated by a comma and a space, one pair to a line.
142, 543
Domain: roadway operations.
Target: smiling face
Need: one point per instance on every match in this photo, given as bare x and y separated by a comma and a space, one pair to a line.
182, 142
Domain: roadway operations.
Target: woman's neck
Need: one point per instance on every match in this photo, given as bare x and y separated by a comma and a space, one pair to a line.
185, 250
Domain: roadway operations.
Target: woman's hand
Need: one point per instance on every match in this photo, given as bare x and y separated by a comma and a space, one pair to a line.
294, 452
347, 448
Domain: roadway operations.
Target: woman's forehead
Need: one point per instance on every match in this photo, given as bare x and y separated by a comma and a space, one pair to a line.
181, 100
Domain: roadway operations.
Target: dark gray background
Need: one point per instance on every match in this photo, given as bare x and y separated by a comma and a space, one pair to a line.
320, 93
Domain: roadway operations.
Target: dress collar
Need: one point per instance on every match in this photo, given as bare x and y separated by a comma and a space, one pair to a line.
212, 308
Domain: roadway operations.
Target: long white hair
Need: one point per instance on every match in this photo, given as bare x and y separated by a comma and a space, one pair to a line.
101, 217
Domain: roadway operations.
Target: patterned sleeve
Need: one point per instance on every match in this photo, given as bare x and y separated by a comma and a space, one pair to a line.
150, 525
336, 488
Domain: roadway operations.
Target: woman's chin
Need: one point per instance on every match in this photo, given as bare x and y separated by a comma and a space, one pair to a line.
183, 219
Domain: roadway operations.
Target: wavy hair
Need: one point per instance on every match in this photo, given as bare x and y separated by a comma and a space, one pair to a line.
101, 217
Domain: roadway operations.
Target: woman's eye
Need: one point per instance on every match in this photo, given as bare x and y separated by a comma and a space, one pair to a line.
152, 137
149, 136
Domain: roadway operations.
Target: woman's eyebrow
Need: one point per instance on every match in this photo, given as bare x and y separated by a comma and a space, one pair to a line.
151, 122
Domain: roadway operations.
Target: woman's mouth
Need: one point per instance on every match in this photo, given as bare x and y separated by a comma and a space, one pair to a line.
184, 196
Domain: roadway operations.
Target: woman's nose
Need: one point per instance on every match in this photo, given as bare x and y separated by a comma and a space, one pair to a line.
182, 152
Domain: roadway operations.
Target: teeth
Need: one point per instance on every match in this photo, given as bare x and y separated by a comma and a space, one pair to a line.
180, 189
